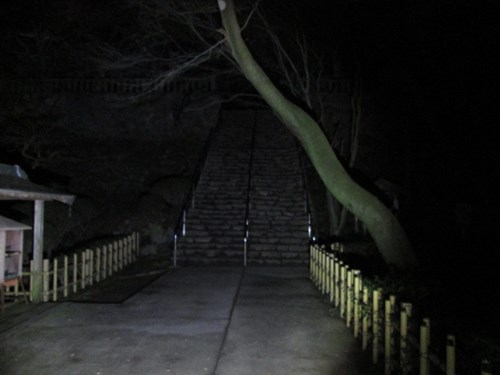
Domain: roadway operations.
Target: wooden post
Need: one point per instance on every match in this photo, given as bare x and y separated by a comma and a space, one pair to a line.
450, 355
357, 282
311, 257
98, 265
91, 266
424, 348
115, 257
312, 265
406, 310
323, 272
387, 337
320, 270
75, 273
129, 249
427, 322
65, 277
365, 319
349, 297
125, 251
134, 242
137, 245
486, 367
54, 280
376, 326
336, 281
84, 269
314, 257
120, 254
45, 280
110, 259
343, 271
37, 286
104, 262
332, 278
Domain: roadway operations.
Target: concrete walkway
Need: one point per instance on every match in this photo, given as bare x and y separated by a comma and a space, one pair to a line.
192, 321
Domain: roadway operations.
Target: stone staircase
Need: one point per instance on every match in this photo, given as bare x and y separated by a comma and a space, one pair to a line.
251, 149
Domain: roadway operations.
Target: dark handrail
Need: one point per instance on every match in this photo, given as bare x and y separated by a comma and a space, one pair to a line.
249, 188
307, 199
189, 198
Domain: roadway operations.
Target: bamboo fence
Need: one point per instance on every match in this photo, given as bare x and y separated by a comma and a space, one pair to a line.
385, 327
69, 274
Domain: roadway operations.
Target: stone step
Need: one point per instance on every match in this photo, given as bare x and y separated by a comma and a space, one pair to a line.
277, 220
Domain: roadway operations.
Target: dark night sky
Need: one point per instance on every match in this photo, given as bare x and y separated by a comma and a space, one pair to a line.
429, 66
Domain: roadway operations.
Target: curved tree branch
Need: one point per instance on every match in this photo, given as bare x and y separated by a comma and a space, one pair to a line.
382, 225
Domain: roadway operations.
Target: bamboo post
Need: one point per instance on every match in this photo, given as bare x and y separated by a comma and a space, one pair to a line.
110, 259
54, 280
115, 256
406, 310
75, 273
315, 266
129, 250
120, 254
376, 326
84, 267
349, 297
337, 281
137, 245
65, 276
98, 265
45, 280
343, 271
104, 270
427, 322
332, 278
311, 262
450, 355
424, 348
134, 236
318, 262
125, 250
320, 270
327, 273
357, 282
365, 319
486, 367
91, 266
132, 245
323, 272
387, 336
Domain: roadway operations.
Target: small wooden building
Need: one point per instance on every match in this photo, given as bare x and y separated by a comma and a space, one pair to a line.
17, 187
11, 254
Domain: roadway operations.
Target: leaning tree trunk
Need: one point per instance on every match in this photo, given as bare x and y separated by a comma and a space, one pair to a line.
385, 229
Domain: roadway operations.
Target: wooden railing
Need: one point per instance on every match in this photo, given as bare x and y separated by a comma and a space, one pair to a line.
69, 274
388, 328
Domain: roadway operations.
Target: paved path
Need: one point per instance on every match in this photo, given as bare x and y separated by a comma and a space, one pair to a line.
191, 321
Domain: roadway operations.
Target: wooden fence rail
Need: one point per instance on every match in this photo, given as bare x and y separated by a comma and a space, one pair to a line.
68, 274
379, 320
